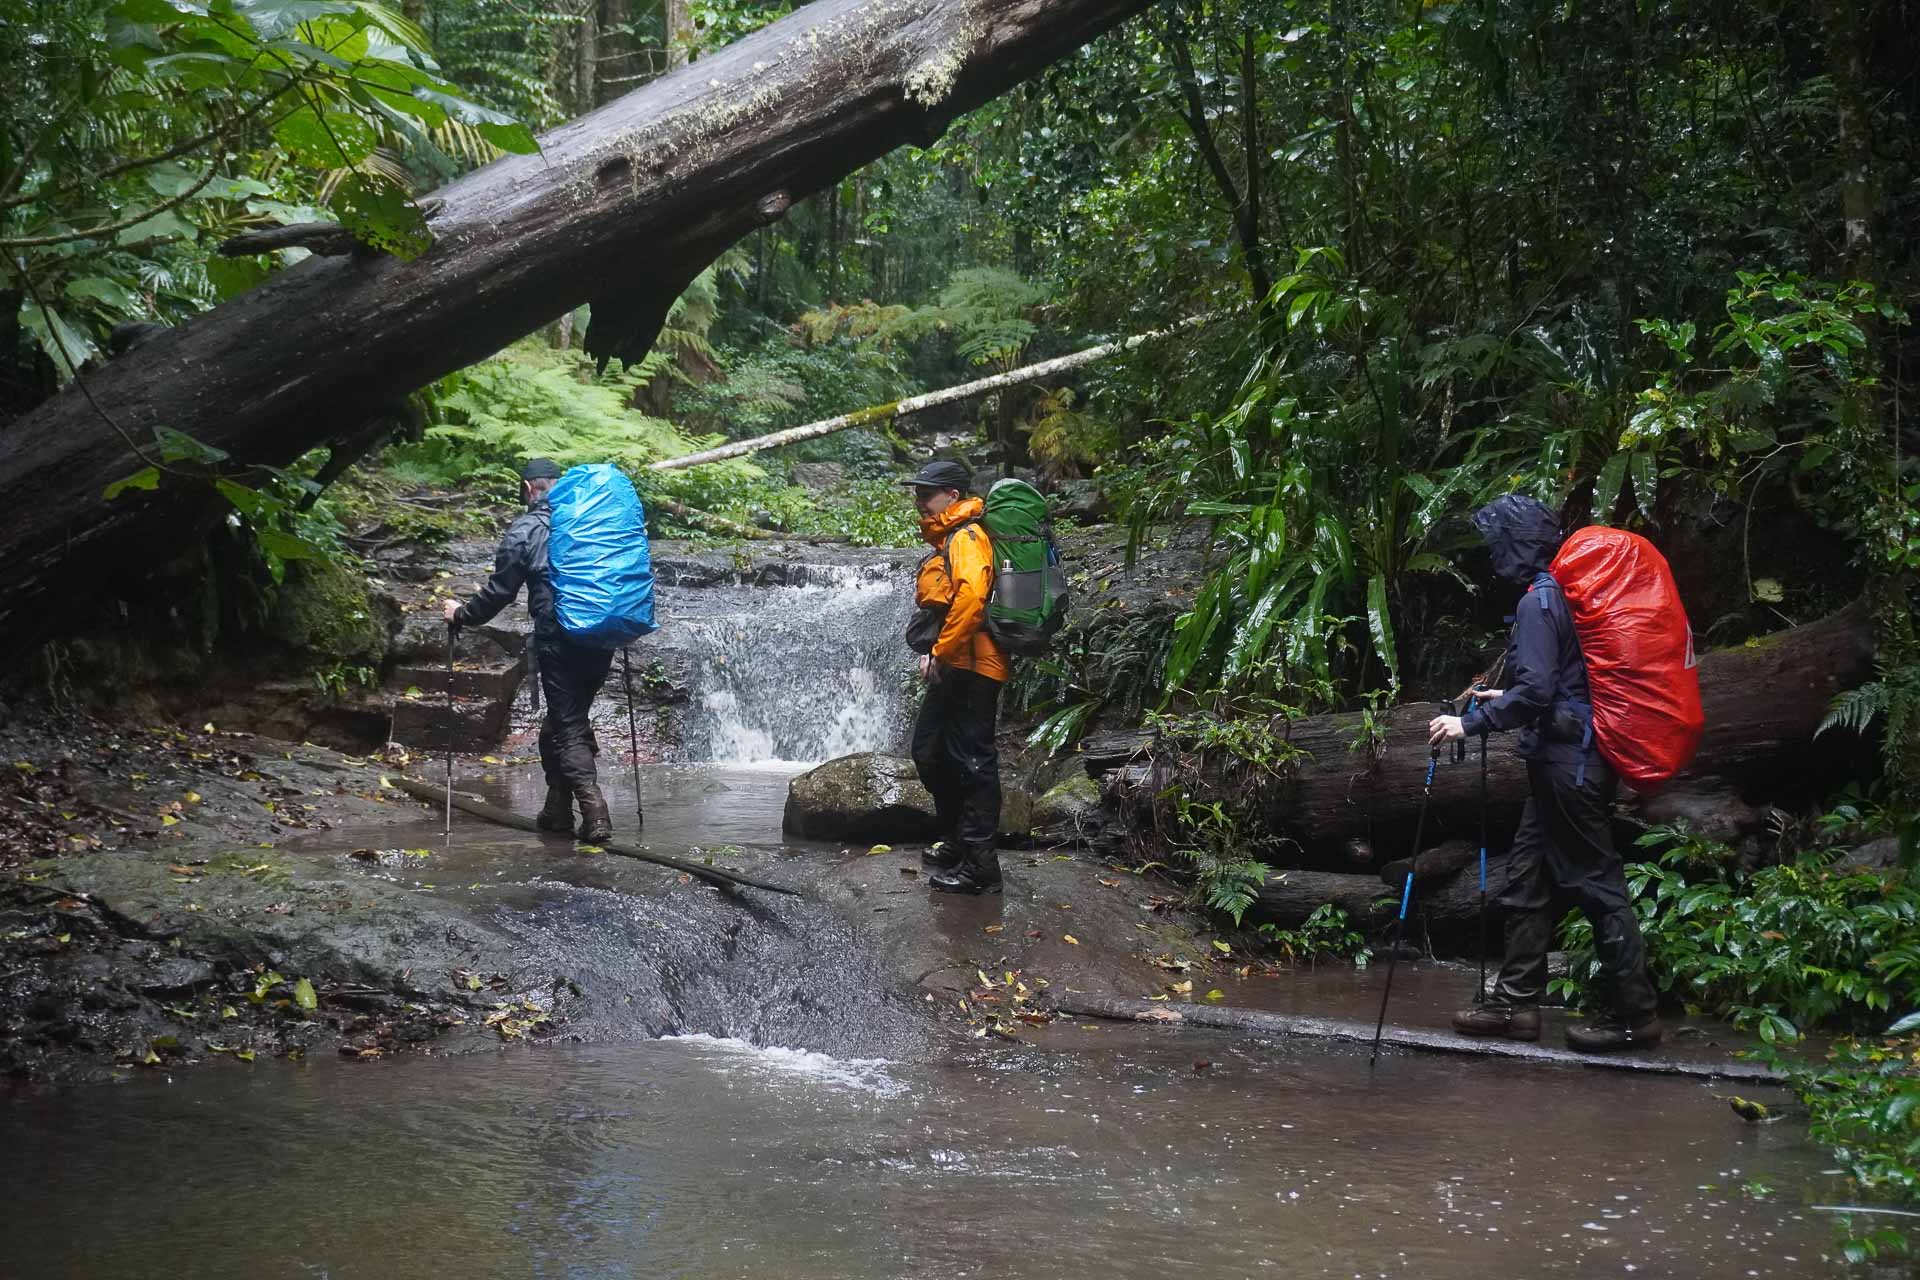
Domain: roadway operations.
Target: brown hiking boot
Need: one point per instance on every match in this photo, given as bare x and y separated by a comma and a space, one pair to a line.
557, 813
1610, 1034
1514, 1021
596, 823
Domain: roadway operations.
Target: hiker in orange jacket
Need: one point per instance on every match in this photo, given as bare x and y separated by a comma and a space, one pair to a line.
953, 737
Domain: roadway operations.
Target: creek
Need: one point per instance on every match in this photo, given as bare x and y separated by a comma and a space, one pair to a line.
1095, 1150
806, 1117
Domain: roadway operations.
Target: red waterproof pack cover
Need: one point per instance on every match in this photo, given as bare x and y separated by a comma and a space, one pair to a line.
1645, 684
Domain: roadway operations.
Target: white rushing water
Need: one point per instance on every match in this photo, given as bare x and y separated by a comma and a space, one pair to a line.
866, 1075
808, 673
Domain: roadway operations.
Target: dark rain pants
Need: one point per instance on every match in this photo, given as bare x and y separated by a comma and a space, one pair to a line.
1564, 848
954, 752
570, 676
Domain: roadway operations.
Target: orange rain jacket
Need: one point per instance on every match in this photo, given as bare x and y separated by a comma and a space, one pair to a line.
963, 641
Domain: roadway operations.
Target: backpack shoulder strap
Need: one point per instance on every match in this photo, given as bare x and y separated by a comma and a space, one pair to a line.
1542, 583
946, 546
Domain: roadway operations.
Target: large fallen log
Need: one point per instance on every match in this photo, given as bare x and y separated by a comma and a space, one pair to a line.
1347, 803
620, 208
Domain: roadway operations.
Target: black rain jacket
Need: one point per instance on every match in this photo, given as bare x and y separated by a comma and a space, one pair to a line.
522, 558
1546, 693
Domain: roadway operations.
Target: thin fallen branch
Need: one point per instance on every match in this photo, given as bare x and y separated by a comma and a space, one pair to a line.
1283, 1024
916, 404
507, 818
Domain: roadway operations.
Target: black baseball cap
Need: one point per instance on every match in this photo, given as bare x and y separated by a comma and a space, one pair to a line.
941, 473
540, 469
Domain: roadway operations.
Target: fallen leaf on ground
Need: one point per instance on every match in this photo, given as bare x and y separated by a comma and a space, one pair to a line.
879, 849
1070, 940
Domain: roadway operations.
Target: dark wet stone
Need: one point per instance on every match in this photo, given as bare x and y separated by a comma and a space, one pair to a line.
176, 975
872, 796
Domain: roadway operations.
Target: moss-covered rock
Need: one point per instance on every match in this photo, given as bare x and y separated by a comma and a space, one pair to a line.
1069, 805
324, 609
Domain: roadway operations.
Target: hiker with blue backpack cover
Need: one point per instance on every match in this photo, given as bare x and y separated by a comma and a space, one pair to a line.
580, 549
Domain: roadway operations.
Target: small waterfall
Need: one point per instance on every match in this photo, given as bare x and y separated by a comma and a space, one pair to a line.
802, 672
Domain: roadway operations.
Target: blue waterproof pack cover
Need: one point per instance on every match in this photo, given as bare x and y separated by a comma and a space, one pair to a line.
597, 557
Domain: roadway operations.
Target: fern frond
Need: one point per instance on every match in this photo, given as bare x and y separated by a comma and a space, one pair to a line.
1855, 709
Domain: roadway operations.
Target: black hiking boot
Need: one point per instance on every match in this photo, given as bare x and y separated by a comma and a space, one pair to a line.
1514, 1021
557, 813
942, 856
596, 823
976, 873
1611, 1033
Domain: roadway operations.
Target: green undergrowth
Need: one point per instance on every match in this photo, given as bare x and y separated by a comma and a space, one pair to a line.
1812, 946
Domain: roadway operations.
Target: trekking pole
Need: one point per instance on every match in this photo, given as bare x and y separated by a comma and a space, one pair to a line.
1480, 992
452, 631
1406, 898
633, 737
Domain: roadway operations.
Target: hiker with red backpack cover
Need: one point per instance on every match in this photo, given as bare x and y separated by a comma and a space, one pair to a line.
1634, 709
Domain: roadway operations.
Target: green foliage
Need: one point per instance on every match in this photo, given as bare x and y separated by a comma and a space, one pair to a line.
1065, 442
1780, 950
141, 132
986, 309
865, 513
1308, 481
1863, 1101
1209, 839
532, 401
1328, 931
1212, 826
338, 677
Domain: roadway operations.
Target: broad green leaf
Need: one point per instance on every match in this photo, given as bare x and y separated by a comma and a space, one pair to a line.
325, 139
1909, 1023
147, 478
232, 277
381, 216
1250, 636
247, 501
1380, 626
65, 343
178, 446
303, 994
287, 546
158, 10
1646, 480
105, 290
199, 69
508, 134
162, 226
1606, 487
271, 19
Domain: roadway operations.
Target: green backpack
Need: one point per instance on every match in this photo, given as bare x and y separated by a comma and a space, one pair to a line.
1029, 600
